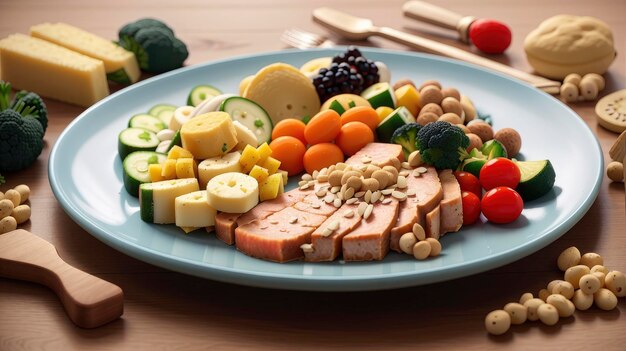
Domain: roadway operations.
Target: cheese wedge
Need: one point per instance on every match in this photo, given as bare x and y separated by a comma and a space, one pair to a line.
52, 70
157, 200
193, 210
120, 65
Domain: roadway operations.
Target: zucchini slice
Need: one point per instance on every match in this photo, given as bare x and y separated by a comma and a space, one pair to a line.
536, 178
201, 93
251, 115
135, 169
136, 139
156, 109
147, 122
395, 120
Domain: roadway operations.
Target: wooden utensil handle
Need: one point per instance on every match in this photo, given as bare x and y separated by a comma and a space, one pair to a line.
429, 13
88, 300
434, 47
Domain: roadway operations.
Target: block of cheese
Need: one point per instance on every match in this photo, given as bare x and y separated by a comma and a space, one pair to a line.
51, 70
121, 65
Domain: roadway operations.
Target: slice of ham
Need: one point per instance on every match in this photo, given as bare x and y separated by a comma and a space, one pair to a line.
376, 154
370, 240
451, 204
433, 223
313, 204
278, 237
428, 194
328, 247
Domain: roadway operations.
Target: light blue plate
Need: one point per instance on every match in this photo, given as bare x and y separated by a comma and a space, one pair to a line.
86, 176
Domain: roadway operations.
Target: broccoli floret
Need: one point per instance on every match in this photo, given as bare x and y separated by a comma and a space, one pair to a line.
154, 44
442, 144
406, 137
33, 100
21, 135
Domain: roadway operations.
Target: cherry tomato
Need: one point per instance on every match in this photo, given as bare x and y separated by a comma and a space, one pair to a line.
471, 207
469, 182
502, 205
290, 152
289, 127
490, 36
499, 172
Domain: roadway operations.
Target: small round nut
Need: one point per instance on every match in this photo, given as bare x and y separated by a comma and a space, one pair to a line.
596, 78
406, 243
560, 302
601, 277
402, 82
573, 274
421, 250
435, 247
616, 282
369, 170
532, 306
569, 92
451, 92
511, 140
426, 117
348, 174
430, 95
553, 283
482, 129
7, 224
589, 283
605, 299
582, 301
354, 182
498, 322
450, 117
568, 258
14, 196
599, 268
517, 312
394, 173
543, 294
432, 108
415, 159
21, 213
564, 288
468, 109
334, 178
6, 208
525, 297
548, 314
429, 82
463, 127
24, 191
591, 259
384, 178
370, 184
573, 78
450, 104
588, 90
615, 171
474, 142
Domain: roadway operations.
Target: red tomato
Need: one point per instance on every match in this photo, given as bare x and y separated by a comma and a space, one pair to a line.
499, 172
469, 182
471, 207
502, 205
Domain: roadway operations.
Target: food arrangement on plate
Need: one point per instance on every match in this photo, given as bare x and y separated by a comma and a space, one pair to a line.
386, 166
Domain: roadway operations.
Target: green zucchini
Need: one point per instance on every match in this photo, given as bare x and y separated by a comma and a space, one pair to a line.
336, 105
147, 122
395, 120
156, 109
175, 141
536, 180
166, 116
201, 93
135, 169
251, 115
380, 94
493, 148
136, 139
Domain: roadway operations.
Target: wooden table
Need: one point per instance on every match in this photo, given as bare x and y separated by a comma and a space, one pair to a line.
166, 310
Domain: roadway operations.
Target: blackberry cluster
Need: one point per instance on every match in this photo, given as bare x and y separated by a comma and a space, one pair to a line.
349, 73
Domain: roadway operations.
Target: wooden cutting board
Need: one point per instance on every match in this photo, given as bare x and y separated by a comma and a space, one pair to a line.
88, 300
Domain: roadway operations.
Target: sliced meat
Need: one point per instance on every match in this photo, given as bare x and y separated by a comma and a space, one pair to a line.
313, 204
278, 237
225, 223
377, 154
370, 240
428, 194
451, 204
433, 223
327, 248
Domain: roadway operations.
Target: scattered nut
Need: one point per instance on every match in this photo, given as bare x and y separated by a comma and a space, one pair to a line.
605, 299
573, 274
14, 196
7, 224
482, 129
475, 142
568, 258
582, 301
525, 297
354, 182
560, 302
589, 284
573, 78
588, 89
591, 259
615, 281
452, 93
6, 208
564, 288
24, 191
552, 284
532, 306
21, 213
569, 92
369, 170
543, 294
370, 184
451, 118
517, 312
335, 178
596, 78
452, 105
615, 171
498, 322
433, 108
402, 82
435, 247
429, 82
415, 159
421, 250
407, 241
548, 314
426, 117
384, 178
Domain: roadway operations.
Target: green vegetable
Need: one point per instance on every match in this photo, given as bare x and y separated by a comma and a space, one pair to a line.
200, 93
154, 44
2, 180
336, 105
442, 145
406, 136
21, 134
398, 118
33, 100
136, 169
536, 178
493, 148
477, 158
136, 139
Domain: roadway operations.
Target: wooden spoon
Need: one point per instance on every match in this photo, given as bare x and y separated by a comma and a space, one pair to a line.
88, 300
356, 28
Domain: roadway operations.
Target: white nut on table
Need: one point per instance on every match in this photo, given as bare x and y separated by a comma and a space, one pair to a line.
591, 259
582, 301
497, 322
564, 288
6, 208
605, 299
407, 241
573, 78
14, 196
24, 191
561, 304
569, 92
573, 274
7, 224
532, 306
616, 282
21, 213
548, 314
568, 258
588, 89
517, 312
596, 78
525, 297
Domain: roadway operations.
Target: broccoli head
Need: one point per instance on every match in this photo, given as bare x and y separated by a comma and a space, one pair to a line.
21, 135
154, 44
33, 100
406, 137
442, 144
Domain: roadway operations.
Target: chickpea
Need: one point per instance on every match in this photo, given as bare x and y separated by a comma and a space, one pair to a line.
543, 294
573, 274
564, 288
569, 92
591, 259
601, 277
7, 224
605, 299
452, 93
553, 283
432, 108
21, 213
589, 284
615, 171
599, 268
407, 241
525, 297
517, 312
6, 208
429, 82
452, 118
14, 196
532, 306
498, 322
24, 191
615, 281
582, 301
482, 129
430, 94
568, 258
548, 314
561, 304
435, 247
426, 117
421, 250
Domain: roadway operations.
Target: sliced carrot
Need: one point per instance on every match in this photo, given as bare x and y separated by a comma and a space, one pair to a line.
290, 152
322, 155
323, 127
353, 137
364, 114
289, 127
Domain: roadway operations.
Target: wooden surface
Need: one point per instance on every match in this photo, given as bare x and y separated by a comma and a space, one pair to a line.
166, 310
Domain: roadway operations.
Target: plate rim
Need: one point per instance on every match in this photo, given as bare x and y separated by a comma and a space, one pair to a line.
311, 282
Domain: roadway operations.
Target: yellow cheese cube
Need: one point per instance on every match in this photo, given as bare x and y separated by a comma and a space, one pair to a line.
209, 135
51, 70
249, 157
272, 187
120, 65
186, 168
271, 164
154, 170
168, 171
192, 211
177, 152
408, 97
285, 175
265, 151
259, 173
